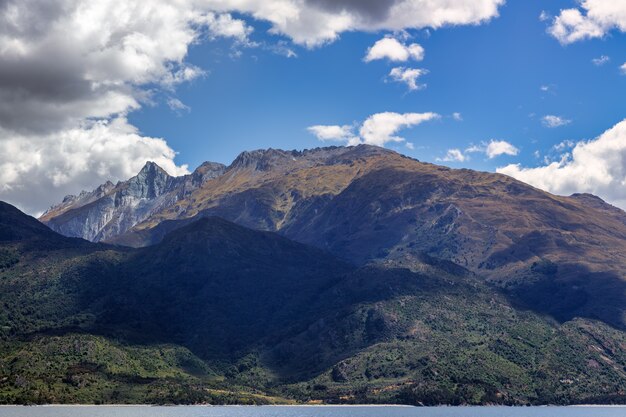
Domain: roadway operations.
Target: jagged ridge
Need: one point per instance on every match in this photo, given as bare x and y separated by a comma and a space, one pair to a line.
111, 210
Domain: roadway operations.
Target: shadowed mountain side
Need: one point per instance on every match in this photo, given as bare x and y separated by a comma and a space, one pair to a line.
16, 226
571, 292
218, 288
219, 313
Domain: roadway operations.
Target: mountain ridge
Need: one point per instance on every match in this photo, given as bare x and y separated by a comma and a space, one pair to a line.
113, 209
368, 204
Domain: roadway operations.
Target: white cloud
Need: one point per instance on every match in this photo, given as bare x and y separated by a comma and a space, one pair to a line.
552, 121
457, 116
408, 76
594, 19
315, 22
545, 88
596, 166
623, 68
453, 155
333, 132
477, 148
225, 26
494, 148
65, 61
601, 60
543, 16
177, 106
566, 144
378, 129
37, 170
381, 128
393, 50
491, 149
500, 147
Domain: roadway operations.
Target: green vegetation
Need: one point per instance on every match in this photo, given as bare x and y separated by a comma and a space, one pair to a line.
221, 314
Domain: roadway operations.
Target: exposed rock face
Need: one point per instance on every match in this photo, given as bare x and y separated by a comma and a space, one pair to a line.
111, 209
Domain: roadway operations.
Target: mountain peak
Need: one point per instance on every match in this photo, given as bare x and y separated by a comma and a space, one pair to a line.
152, 167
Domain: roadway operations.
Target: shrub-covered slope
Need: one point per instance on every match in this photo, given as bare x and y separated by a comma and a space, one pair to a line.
219, 313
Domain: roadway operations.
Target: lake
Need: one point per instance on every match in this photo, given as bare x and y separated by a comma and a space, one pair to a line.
307, 411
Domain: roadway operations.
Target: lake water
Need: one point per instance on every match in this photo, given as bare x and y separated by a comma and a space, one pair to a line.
306, 411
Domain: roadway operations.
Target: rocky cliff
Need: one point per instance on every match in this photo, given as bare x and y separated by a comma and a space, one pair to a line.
111, 210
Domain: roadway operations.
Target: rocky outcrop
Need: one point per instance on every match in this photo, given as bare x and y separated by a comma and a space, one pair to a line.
111, 209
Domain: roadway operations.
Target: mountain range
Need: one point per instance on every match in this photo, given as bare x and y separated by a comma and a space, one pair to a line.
335, 275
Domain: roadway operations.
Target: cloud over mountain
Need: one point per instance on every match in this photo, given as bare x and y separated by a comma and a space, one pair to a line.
596, 166
378, 129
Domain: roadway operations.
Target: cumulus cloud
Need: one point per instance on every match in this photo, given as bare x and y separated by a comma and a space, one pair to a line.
593, 19
623, 68
381, 128
315, 22
332, 132
552, 121
394, 50
64, 61
225, 26
453, 155
597, 166
378, 129
457, 116
408, 76
500, 147
491, 149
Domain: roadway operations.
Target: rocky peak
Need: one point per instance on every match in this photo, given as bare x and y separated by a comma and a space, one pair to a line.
150, 182
207, 171
103, 189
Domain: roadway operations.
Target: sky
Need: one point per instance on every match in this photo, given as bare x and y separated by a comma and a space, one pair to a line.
90, 91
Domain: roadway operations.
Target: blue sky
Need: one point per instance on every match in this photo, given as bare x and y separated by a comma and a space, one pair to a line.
90, 91
491, 74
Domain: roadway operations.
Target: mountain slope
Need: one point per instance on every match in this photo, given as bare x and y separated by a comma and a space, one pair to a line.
368, 204
220, 313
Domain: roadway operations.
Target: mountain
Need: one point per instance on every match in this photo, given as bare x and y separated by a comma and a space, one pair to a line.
111, 210
219, 313
367, 204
